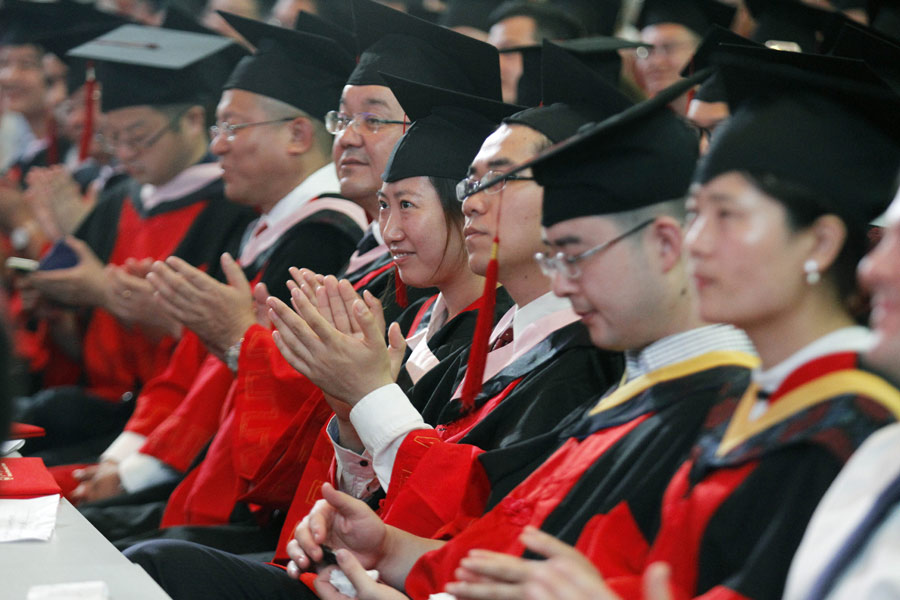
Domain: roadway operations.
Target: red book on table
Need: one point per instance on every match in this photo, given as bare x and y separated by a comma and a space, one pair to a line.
25, 478
22, 431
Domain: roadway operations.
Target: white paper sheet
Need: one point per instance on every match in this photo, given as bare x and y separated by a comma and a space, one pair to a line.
31, 519
82, 590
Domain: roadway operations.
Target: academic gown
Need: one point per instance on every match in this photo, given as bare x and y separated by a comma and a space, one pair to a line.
616, 458
735, 512
438, 485
118, 360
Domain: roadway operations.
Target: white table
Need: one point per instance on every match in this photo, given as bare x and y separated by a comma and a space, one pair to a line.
75, 552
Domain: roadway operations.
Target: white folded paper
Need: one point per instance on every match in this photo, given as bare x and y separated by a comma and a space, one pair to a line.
339, 580
31, 519
82, 590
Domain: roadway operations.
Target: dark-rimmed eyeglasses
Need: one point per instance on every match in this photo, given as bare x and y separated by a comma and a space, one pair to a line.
471, 185
336, 122
568, 265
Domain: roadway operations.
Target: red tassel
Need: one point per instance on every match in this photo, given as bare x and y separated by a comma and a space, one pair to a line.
87, 134
53, 146
483, 327
400, 289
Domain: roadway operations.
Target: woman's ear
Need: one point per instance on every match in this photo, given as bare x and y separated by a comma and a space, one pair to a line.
829, 234
668, 239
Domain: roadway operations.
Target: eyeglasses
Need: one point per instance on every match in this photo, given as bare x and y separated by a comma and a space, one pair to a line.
228, 130
471, 186
143, 142
336, 122
666, 49
568, 265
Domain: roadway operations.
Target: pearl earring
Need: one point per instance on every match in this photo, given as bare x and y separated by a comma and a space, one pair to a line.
811, 268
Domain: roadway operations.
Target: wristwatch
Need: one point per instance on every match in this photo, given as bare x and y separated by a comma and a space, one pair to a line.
232, 355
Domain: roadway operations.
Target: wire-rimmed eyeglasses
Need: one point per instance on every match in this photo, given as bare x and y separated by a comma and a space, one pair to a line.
568, 265
336, 122
228, 130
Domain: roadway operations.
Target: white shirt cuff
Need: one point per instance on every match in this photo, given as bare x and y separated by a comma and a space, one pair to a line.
355, 475
140, 471
124, 446
382, 420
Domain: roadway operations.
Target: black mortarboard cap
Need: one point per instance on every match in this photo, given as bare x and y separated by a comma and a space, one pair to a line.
712, 90
599, 53
181, 20
55, 26
639, 157
310, 23
792, 21
599, 17
826, 123
572, 95
884, 15
447, 131
396, 43
301, 69
880, 52
140, 65
551, 19
696, 15
468, 13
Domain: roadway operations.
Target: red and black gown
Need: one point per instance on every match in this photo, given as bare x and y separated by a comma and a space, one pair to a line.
735, 512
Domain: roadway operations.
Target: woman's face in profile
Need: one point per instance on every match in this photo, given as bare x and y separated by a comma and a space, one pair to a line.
746, 263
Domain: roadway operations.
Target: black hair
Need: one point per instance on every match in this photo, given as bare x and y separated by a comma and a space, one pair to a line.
803, 207
453, 215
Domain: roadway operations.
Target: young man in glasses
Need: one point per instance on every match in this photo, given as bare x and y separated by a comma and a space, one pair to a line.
170, 203
275, 157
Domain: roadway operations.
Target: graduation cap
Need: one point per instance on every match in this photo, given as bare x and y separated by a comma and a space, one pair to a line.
826, 123
469, 13
572, 95
54, 26
880, 52
447, 131
141, 65
792, 21
599, 17
884, 15
396, 43
696, 15
599, 53
643, 156
310, 23
712, 89
550, 19
304, 70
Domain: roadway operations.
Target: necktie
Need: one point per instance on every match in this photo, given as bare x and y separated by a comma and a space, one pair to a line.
503, 339
886, 501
